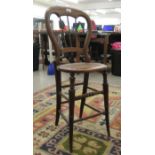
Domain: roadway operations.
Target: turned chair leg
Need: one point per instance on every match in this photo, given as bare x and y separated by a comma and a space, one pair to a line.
86, 77
106, 101
71, 110
58, 95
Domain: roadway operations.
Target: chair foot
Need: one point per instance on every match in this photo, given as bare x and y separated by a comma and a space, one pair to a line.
109, 138
81, 110
71, 110
57, 117
71, 149
56, 124
58, 96
106, 102
108, 132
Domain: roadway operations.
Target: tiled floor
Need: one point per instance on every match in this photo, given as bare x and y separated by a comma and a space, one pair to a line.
42, 80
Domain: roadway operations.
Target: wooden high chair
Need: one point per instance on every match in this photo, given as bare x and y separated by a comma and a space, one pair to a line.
77, 51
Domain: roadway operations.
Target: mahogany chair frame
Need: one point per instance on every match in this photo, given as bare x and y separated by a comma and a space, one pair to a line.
74, 68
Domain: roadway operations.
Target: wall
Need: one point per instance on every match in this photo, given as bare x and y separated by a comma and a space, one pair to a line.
106, 20
38, 11
113, 19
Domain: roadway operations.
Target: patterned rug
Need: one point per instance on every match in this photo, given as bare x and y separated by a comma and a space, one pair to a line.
90, 136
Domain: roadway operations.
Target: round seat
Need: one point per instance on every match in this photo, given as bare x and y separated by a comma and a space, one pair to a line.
82, 67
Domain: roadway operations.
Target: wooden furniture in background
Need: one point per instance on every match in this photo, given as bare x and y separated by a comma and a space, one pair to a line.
73, 67
116, 61
44, 46
36, 50
39, 26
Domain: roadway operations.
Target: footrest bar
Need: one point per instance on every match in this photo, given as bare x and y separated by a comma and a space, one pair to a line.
92, 88
82, 119
88, 94
64, 96
92, 108
76, 84
64, 102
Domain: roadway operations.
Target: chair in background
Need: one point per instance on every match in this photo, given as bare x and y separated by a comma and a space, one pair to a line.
73, 67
